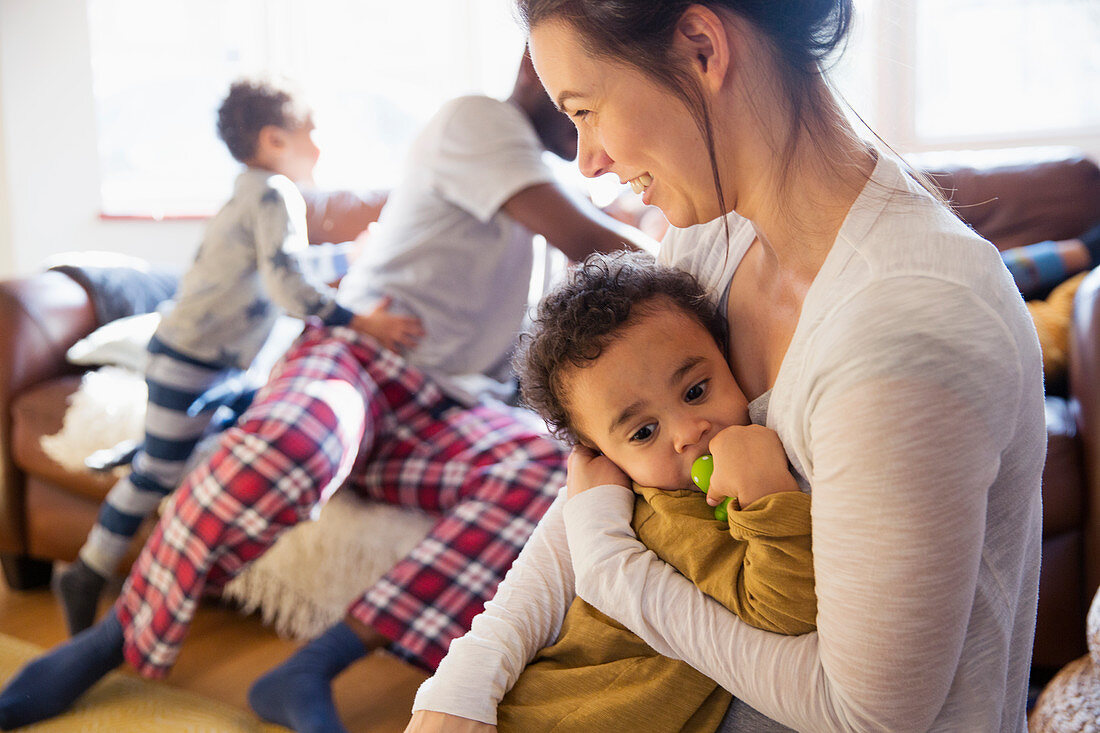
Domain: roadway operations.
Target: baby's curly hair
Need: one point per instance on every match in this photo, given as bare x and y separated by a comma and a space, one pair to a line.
577, 320
252, 105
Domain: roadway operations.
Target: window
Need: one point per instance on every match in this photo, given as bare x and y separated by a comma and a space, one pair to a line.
375, 70
925, 74
941, 74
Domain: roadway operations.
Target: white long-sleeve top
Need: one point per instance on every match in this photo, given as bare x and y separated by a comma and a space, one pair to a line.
911, 400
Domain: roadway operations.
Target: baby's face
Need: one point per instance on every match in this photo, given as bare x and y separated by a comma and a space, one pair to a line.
655, 397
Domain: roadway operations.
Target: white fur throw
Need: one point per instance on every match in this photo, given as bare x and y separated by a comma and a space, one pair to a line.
305, 582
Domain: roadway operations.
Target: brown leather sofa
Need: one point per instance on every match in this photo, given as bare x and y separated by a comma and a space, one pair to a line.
45, 511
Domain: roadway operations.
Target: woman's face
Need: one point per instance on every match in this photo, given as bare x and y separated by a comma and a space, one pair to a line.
629, 125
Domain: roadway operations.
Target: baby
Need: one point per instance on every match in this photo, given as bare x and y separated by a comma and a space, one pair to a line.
626, 361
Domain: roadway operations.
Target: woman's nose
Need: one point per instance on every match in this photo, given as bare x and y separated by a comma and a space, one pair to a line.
592, 159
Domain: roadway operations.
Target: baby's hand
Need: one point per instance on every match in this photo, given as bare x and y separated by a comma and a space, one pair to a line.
749, 463
395, 332
589, 469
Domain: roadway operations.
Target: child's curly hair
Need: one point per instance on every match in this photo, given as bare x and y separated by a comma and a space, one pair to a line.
252, 105
577, 320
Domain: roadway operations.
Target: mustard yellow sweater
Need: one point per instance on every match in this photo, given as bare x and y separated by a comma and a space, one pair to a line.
599, 676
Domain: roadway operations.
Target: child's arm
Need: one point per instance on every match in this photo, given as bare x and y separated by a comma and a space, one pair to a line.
524, 616
278, 247
279, 244
774, 585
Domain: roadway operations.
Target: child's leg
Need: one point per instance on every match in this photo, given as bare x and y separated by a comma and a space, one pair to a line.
299, 440
1037, 268
289, 451
170, 437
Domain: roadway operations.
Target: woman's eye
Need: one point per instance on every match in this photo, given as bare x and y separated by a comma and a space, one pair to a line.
643, 433
696, 391
580, 113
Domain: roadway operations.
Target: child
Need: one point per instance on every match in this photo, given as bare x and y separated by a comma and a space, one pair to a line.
250, 267
626, 360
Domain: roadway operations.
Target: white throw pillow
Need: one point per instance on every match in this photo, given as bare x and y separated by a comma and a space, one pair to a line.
121, 343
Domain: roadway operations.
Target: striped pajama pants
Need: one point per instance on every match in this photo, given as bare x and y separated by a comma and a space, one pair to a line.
175, 381
340, 410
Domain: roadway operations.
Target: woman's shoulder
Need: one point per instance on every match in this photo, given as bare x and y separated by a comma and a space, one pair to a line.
900, 237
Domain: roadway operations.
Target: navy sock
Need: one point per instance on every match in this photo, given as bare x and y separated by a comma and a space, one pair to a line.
79, 588
50, 684
298, 693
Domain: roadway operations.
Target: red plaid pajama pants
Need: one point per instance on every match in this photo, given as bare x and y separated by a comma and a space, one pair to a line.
338, 409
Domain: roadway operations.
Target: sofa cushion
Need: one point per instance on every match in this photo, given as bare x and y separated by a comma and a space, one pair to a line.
1063, 482
40, 411
117, 285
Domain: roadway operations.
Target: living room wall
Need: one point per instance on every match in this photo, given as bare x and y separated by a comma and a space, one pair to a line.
6, 253
49, 170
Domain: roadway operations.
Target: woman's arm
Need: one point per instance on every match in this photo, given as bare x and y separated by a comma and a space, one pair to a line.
524, 616
906, 429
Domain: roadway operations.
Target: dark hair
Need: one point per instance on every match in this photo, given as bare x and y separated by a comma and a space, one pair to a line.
252, 105
639, 33
577, 320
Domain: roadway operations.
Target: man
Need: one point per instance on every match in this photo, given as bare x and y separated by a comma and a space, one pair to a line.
453, 248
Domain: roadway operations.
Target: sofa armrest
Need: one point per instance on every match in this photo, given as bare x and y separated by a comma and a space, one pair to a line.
42, 316
1084, 391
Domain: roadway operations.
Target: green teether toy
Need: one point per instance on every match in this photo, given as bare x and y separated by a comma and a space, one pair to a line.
701, 470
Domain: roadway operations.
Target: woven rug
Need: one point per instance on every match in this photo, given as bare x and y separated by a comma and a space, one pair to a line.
123, 703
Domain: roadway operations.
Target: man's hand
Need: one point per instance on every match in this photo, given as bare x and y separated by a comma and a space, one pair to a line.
395, 332
588, 469
749, 463
426, 721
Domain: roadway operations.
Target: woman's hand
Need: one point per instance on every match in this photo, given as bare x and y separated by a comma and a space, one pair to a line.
427, 721
588, 469
749, 463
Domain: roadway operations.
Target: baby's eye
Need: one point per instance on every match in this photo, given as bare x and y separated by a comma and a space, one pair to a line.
696, 391
643, 433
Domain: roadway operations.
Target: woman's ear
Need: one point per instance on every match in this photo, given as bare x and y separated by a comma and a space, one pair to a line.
702, 37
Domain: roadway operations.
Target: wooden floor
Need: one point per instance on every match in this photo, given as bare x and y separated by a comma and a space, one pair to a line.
226, 651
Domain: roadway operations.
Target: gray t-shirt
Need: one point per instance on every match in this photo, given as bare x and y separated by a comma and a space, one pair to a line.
444, 250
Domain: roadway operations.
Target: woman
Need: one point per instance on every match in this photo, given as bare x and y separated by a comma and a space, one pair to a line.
885, 342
